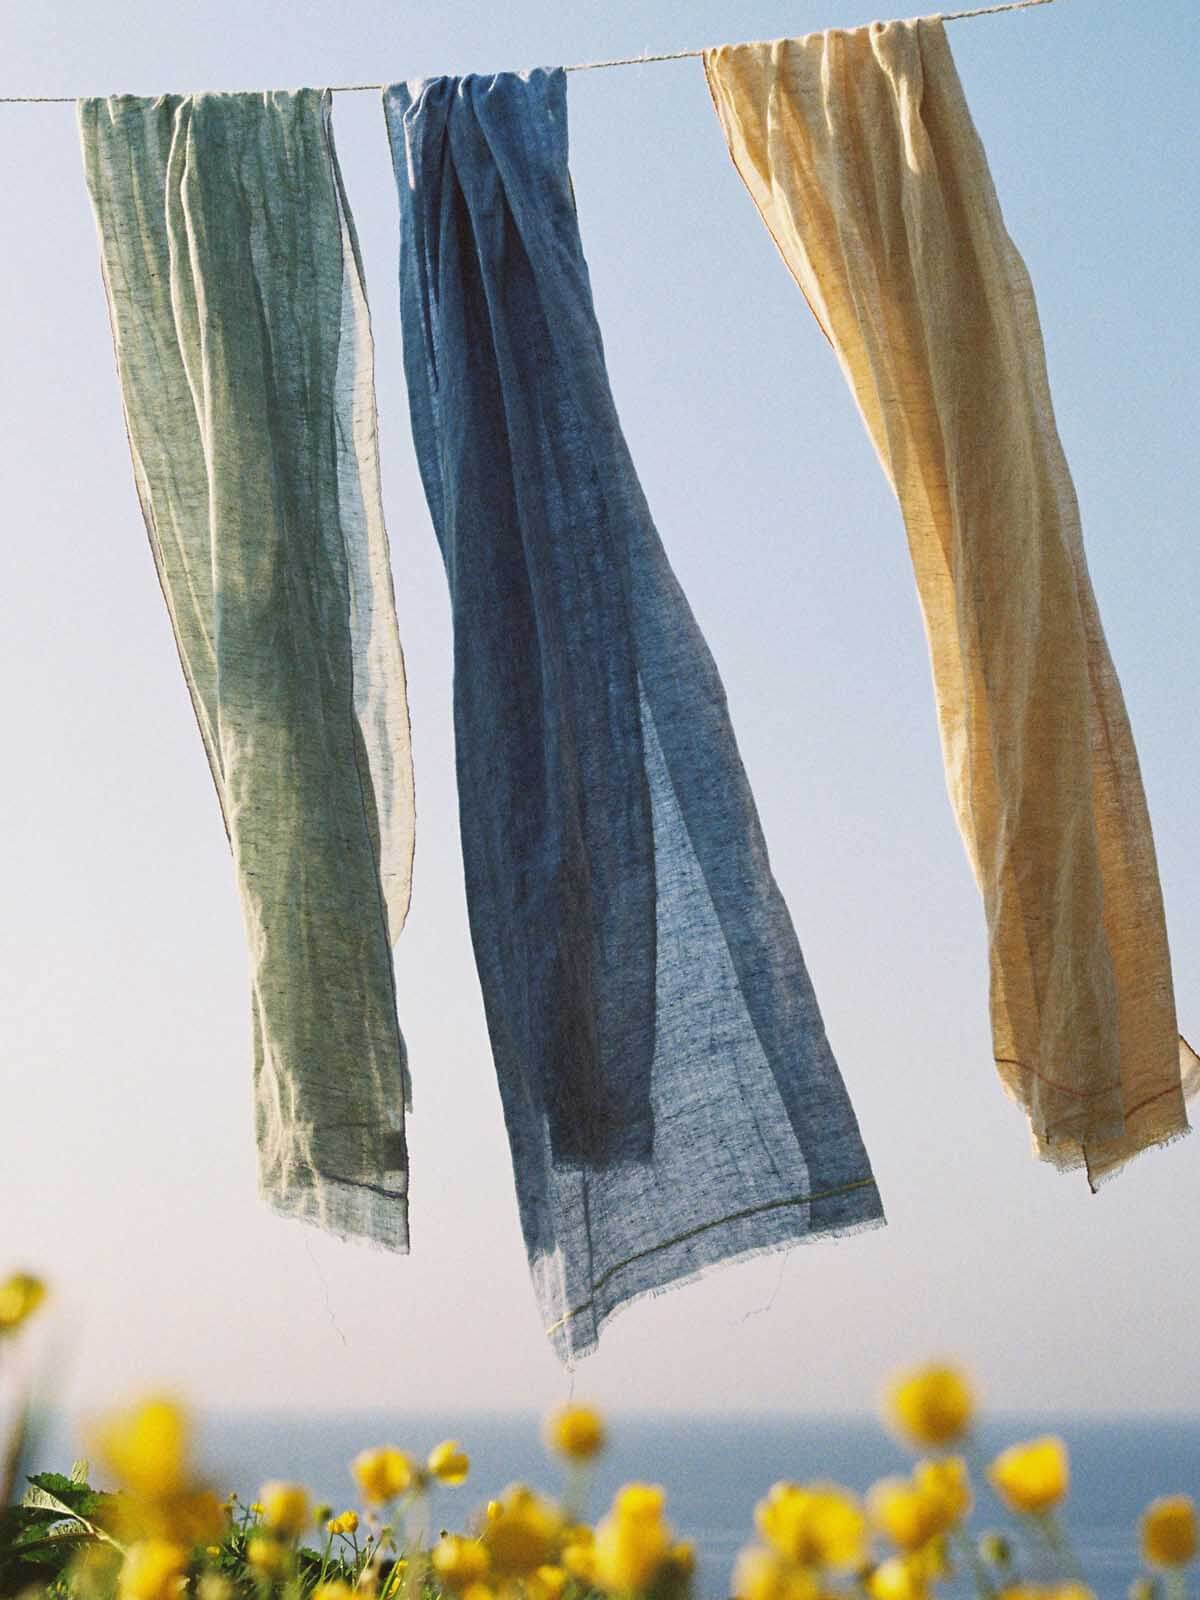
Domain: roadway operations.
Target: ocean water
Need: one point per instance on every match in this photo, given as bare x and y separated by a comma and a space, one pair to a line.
714, 1469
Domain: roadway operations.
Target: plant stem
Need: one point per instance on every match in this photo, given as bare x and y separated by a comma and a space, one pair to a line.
1060, 1546
979, 1572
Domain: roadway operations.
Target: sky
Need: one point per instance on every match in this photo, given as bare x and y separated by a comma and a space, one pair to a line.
126, 1157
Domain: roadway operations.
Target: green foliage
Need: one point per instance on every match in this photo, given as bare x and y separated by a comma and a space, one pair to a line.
40, 1536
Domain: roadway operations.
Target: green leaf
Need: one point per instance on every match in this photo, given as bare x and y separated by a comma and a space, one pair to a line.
51, 1491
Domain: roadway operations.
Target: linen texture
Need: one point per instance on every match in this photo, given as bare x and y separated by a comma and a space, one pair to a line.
670, 1095
860, 154
244, 351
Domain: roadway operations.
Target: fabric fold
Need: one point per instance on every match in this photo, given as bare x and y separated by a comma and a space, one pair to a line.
860, 154
670, 1095
244, 352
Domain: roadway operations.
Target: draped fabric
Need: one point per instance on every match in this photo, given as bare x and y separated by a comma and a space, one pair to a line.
670, 1095
244, 351
859, 151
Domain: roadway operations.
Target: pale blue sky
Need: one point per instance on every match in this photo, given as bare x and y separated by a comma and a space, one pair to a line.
126, 1163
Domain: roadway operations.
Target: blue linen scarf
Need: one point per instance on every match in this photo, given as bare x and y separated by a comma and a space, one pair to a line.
670, 1095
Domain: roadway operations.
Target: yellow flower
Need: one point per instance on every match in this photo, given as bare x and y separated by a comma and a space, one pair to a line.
92, 1574
547, 1583
256, 1509
946, 1484
460, 1562
579, 1554
194, 1517
20, 1296
632, 1542
147, 1448
576, 1432
521, 1532
268, 1557
673, 1580
449, 1463
682, 1558
382, 1474
639, 1501
931, 1406
346, 1523
336, 1590
912, 1511
287, 1508
479, 1591
764, 1575
900, 1510
212, 1586
1031, 1477
1169, 1531
898, 1579
152, 1570
819, 1525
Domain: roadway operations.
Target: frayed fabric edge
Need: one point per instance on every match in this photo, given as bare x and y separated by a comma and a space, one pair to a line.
1157, 1141
693, 1275
369, 1218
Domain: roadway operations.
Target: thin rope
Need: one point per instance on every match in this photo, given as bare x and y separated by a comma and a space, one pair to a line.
692, 55
579, 66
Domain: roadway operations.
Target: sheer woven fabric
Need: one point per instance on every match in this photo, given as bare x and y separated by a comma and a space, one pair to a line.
244, 351
670, 1095
859, 151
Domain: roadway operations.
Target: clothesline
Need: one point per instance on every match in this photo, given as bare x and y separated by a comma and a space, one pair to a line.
579, 66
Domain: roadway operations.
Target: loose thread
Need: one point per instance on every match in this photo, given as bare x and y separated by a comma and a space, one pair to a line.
579, 66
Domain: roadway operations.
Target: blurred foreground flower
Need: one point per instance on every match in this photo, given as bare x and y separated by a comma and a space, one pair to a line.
547, 1583
383, 1474
151, 1570
1169, 1531
898, 1578
764, 1575
931, 1406
146, 1447
449, 1463
819, 1525
578, 1554
20, 1296
268, 1558
633, 1540
1032, 1477
287, 1509
459, 1562
521, 1532
576, 1432
913, 1511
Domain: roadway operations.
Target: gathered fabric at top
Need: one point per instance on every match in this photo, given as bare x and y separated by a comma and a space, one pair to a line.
859, 151
244, 351
670, 1095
